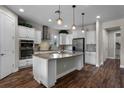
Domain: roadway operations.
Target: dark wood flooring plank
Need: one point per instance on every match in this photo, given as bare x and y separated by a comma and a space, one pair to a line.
108, 75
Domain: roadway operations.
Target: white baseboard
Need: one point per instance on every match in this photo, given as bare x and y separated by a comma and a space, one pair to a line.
16, 69
64, 73
101, 63
111, 57
97, 65
121, 66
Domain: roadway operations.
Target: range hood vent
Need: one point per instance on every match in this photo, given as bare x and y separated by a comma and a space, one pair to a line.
45, 34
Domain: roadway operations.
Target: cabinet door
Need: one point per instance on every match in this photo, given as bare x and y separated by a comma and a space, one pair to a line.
93, 58
25, 32
87, 57
69, 39
77, 34
37, 37
25, 63
22, 32
87, 37
62, 39
74, 34
31, 33
90, 37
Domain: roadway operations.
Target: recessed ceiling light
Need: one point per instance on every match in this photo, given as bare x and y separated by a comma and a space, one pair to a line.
21, 10
65, 26
98, 17
50, 20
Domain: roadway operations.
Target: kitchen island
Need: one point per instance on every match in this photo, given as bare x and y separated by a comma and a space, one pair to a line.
48, 67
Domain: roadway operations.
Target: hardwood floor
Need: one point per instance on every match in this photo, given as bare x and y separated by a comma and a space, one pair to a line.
106, 76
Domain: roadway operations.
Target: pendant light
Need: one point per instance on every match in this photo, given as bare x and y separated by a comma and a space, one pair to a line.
82, 29
73, 26
59, 20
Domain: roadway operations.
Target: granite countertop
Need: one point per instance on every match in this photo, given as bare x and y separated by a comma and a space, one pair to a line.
45, 51
56, 55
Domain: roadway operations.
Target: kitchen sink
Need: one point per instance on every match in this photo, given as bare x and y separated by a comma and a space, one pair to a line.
60, 55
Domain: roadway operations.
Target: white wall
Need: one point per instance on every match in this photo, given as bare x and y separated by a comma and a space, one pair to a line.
117, 51
105, 44
111, 44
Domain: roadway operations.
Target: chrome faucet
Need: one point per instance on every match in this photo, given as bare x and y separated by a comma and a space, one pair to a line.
61, 49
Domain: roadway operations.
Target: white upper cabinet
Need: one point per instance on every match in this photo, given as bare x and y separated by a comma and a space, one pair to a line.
22, 32
77, 34
26, 33
90, 37
69, 39
90, 58
38, 37
31, 33
62, 39
65, 39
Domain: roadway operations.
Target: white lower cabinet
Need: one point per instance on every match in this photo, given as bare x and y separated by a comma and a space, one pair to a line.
25, 63
90, 58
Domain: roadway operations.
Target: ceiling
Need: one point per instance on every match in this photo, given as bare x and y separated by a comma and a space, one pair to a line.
41, 13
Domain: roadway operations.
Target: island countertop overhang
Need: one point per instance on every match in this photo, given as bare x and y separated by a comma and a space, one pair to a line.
56, 55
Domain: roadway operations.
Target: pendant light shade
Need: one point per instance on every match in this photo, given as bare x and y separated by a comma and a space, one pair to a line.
59, 20
73, 26
82, 29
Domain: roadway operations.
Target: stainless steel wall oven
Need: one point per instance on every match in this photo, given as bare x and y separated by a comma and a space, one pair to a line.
26, 49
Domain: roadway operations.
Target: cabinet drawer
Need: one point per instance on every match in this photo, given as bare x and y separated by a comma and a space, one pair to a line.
25, 63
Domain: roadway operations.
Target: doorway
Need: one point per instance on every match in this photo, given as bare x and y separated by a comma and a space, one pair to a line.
117, 45
112, 43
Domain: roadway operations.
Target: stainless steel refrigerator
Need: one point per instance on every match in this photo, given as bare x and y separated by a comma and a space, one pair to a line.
79, 45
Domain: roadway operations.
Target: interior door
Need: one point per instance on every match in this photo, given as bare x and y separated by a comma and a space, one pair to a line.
7, 45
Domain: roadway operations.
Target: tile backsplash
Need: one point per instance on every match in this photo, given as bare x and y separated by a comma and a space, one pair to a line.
91, 47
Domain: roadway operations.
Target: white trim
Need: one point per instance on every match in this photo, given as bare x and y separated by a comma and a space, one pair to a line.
121, 66
64, 73
97, 65
115, 43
